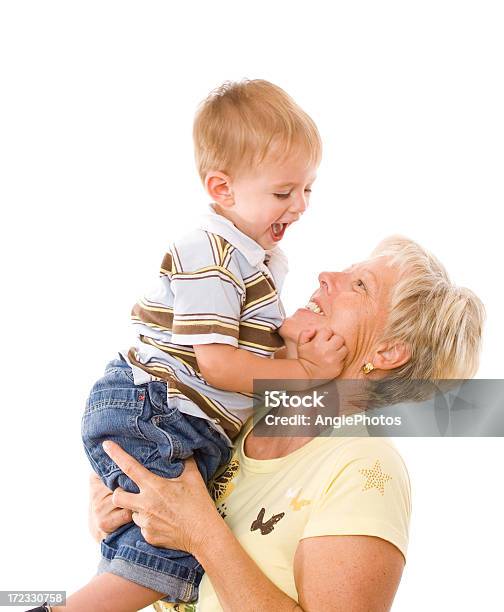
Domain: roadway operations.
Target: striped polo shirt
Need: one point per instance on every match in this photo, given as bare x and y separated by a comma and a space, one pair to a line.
216, 285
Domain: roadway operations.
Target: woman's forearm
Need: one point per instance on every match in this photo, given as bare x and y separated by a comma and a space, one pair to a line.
237, 580
178, 513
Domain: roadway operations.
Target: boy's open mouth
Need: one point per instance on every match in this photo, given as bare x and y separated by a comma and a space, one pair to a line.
278, 230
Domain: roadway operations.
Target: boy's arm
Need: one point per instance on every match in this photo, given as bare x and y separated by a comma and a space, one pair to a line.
321, 357
281, 353
289, 351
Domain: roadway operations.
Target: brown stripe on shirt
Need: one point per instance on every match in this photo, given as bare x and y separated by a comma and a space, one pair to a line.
267, 340
220, 273
166, 265
258, 290
203, 327
181, 355
212, 315
158, 316
231, 428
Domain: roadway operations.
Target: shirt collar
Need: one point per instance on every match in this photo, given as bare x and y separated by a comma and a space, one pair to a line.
217, 224
252, 251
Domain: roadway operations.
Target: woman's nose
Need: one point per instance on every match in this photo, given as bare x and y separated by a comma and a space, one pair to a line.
330, 281
325, 280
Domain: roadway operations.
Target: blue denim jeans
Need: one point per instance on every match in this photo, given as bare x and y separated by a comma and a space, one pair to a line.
140, 420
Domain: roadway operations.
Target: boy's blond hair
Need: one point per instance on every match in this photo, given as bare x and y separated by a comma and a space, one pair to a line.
237, 125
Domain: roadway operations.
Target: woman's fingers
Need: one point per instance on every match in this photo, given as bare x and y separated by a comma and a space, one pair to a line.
95, 483
122, 515
93, 478
139, 518
114, 519
128, 464
98, 490
190, 468
123, 499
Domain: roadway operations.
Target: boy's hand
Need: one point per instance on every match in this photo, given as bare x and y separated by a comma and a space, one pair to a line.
321, 353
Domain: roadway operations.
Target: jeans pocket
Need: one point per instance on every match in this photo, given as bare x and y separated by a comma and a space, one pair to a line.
163, 431
114, 414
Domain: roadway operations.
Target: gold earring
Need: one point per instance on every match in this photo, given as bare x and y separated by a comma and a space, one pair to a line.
367, 367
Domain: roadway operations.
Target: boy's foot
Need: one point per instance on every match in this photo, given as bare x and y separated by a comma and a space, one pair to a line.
43, 608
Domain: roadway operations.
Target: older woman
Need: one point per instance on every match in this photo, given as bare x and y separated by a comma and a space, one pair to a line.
313, 523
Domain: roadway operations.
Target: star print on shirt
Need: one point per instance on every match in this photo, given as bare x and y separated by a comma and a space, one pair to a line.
375, 478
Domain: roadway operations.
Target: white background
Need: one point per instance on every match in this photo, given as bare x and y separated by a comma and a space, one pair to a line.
97, 175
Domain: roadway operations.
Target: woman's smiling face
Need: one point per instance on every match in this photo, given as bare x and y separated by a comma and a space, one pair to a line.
353, 303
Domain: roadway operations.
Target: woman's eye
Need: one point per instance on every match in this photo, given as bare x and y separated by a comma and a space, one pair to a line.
281, 196
307, 190
360, 283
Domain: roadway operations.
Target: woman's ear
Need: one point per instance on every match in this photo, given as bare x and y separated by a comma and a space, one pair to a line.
391, 355
218, 187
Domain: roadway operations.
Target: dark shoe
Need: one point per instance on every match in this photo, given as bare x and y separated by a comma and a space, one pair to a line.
43, 608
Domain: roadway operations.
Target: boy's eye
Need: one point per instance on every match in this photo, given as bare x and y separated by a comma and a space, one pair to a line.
282, 196
307, 190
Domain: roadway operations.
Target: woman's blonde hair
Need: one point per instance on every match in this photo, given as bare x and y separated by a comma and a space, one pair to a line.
440, 322
237, 124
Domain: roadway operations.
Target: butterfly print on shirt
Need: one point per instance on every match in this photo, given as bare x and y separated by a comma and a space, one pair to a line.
269, 525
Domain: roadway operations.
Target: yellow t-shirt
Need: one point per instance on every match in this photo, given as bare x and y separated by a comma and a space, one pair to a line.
329, 486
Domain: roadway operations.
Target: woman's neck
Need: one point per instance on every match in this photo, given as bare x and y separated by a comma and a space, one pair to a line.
353, 367
262, 447
259, 447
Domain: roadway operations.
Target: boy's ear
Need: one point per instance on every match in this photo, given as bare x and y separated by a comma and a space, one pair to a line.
218, 187
391, 355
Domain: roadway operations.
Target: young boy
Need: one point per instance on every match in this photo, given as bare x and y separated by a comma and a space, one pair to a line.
210, 326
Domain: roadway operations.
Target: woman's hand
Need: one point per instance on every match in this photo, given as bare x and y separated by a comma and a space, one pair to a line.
171, 512
103, 516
